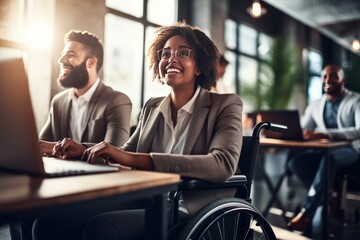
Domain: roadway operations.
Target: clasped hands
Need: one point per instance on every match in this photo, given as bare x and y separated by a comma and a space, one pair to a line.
66, 148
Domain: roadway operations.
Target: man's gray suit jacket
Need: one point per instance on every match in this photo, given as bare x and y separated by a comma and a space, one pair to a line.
348, 118
108, 117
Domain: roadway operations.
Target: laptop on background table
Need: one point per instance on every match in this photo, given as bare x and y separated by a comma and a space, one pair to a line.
289, 118
19, 143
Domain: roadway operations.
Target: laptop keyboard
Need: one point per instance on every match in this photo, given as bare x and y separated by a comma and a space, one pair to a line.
54, 166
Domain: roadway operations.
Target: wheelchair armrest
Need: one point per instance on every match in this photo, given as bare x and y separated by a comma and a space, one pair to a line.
187, 184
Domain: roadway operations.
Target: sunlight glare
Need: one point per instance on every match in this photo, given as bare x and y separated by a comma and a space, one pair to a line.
38, 36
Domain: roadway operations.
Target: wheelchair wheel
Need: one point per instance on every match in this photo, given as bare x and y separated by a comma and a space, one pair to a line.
228, 218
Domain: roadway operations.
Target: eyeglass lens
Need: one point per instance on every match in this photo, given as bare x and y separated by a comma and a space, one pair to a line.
180, 54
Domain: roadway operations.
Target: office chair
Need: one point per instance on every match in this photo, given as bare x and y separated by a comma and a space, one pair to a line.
347, 180
228, 218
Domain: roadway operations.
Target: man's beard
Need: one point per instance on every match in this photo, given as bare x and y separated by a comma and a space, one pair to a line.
334, 89
78, 77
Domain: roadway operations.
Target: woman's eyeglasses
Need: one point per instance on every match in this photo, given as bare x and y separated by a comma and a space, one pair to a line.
180, 54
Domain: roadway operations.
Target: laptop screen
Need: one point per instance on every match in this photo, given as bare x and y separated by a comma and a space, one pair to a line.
18, 140
19, 143
290, 118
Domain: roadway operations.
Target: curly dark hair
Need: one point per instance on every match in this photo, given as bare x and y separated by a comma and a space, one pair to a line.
91, 42
206, 53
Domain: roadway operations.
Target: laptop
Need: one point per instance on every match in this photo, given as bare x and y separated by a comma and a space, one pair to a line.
19, 143
289, 118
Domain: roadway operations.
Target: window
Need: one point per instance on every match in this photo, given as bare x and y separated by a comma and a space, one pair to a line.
11, 29
247, 50
230, 34
247, 73
264, 46
314, 63
247, 40
134, 7
129, 29
228, 78
123, 62
12, 20
162, 12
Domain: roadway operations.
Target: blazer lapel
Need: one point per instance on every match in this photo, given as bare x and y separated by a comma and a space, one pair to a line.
197, 121
147, 135
94, 99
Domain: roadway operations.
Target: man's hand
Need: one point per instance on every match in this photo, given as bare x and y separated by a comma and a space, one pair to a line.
68, 148
46, 148
315, 135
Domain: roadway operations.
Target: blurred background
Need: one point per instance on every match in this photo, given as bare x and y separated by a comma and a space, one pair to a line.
275, 56
275, 50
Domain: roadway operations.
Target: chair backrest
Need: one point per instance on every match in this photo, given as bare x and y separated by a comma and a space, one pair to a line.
248, 157
351, 176
250, 149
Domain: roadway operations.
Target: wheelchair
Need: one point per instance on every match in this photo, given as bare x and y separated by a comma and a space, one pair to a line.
228, 218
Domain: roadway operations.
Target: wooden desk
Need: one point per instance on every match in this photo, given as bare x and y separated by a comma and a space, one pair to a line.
26, 196
324, 145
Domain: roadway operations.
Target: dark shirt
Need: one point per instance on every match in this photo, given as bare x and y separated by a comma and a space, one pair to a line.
330, 113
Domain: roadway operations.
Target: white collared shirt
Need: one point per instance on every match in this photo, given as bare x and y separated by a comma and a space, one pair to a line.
171, 139
78, 111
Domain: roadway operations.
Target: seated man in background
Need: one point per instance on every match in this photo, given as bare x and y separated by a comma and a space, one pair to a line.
335, 116
87, 113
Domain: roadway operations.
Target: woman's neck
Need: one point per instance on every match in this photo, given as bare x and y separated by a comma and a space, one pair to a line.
179, 98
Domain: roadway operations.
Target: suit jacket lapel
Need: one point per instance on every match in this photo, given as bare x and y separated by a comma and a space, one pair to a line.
201, 108
93, 101
147, 135
197, 121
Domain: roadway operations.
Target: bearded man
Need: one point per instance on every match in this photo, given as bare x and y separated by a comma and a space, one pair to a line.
88, 112
335, 116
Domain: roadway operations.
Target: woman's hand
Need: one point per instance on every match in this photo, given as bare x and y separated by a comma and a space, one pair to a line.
104, 150
116, 155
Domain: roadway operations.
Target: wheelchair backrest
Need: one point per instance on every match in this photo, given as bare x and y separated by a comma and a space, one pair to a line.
250, 149
248, 157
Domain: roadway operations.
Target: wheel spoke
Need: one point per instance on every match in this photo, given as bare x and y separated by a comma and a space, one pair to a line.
219, 229
223, 229
236, 225
229, 219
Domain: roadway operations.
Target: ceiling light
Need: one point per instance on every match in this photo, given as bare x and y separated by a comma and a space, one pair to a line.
256, 10
356, 44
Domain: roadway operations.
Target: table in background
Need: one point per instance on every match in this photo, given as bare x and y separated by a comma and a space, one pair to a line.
324, 145
24, 196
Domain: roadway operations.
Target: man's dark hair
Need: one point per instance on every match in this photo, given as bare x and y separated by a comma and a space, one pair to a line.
206, 53
91, 42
